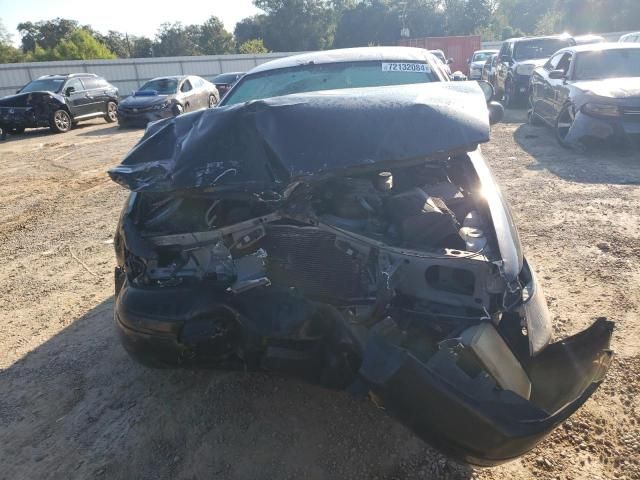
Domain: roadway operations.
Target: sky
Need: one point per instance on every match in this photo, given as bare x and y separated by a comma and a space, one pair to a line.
135, 17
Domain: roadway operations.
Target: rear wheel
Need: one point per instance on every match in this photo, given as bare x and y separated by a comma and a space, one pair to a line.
112, 114
564, 122
60, 121
212, 101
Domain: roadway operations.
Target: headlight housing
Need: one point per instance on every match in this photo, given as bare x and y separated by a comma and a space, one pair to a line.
601, 110
526, 69
162, 106
535, 312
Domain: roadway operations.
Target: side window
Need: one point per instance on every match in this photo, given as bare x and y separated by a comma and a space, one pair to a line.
102, 83
186, 87
197, 82
90, 83
74, 83
552, 64
564, 63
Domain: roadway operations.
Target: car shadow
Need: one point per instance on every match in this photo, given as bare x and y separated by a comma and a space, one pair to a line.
604, 163
78, 407
112, 129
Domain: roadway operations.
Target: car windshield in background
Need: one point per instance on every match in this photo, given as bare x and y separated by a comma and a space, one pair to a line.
481, 57
48, 85
164, 86
542, 48
225, 78
334, 76
599, 65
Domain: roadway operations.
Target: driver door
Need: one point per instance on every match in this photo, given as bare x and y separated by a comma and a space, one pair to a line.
77, 100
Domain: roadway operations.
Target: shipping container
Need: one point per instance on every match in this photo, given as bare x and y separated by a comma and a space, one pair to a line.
459, 48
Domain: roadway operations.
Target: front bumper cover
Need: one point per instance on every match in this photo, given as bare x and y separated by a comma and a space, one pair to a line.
586, 127
466, 417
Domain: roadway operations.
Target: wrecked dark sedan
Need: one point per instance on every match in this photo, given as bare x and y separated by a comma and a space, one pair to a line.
166, 97
58, 102
354, 239
589, 94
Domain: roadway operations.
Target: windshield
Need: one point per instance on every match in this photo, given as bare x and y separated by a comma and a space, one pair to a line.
332, 76
481, 56
164, 86
48, 85
542, 48
598, 65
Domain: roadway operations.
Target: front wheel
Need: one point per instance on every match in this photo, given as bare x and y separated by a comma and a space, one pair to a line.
112, 114
564, 122
178, 110
60, 121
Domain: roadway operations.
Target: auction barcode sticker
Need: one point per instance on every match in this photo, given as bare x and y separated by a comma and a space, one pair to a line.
405, 67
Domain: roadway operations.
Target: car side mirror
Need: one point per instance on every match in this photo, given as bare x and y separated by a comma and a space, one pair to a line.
449, 61
557, 75
496, 112
69, 90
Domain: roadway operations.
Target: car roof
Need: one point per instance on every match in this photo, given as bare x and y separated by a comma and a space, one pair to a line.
64, 76
596, 47
545, 37
486, 51
360, 54
230, 73
177, 77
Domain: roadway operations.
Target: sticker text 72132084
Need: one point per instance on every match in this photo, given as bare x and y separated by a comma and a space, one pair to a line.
405, 67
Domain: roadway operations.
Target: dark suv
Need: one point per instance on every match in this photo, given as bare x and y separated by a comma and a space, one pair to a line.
517, 59
58, 102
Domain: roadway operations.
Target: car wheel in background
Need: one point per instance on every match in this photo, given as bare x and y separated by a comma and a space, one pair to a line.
178, 110
509, 99
112, 114
212, 101
60, 121
564, 122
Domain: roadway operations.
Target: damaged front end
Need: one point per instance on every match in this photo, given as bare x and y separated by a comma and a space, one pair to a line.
365, 258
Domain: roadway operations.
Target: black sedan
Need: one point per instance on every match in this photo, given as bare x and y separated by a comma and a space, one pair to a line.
590, 92
225, 81
165, 97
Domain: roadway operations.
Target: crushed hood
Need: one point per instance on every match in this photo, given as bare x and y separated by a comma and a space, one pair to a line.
613, 88
25, 99
271, 142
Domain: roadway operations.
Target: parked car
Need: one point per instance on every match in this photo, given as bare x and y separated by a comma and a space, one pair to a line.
439, 54
225, 81
489, 69
58, 102
165, 97
588, 39
354, 238
517, 59
477, 61
590, 92
630, 38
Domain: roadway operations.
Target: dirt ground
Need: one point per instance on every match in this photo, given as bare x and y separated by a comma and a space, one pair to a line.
73, 405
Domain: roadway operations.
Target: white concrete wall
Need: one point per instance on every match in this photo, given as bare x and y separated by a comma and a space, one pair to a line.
130, 73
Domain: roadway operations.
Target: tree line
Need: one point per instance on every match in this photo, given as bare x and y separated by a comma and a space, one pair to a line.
302, 25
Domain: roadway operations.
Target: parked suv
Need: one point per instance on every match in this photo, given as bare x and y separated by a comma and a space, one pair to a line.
58, 102
518, 58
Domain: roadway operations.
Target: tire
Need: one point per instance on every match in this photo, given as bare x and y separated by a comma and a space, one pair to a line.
111, 116
534, 119
212, 101
564, 121
178, 110
60, 121
509, 95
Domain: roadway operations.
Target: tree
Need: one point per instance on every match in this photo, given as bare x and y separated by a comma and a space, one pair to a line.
8, 53
47, 34
142, 47
372, 22
174, 39
298, 25
250, 28
253, 46
118, 43
464, 17
213, 39
80, 45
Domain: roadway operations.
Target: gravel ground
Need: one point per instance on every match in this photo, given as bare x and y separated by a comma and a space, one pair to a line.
73, 405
